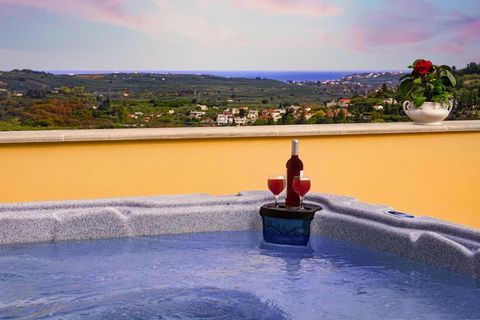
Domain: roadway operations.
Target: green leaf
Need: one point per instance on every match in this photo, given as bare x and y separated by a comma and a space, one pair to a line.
417, 81
445, 67
405, 88
405, 76
417, 92
431, 76
443, 97
452, 78
439, 87
418, 101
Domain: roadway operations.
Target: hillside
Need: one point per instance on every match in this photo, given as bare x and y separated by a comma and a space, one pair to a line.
40, 100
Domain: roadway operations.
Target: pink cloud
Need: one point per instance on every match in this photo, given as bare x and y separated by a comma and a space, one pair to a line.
163, 21
403, 23
414, 23
381, 34
107, 11
313, 8
450, 48
466, 31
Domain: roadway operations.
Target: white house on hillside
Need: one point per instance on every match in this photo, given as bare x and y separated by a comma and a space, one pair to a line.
240, 121
197, 114
224, 119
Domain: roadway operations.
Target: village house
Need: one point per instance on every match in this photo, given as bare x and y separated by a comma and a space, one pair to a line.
275, 114
240, 121
336, 112
299, 111
202, 107
332, 103
197, 114
252, 115
293, 108
224, 119
233, 111
389, 101
344, 102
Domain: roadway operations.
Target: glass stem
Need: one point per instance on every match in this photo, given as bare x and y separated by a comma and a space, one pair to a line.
301, 203
276, 200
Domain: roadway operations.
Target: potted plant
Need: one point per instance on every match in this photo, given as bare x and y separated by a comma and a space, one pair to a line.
428, 92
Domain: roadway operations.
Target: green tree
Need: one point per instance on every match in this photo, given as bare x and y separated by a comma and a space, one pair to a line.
79, 90
339, 117
121, 114
260, 122
302, 119
287, 118
104, 104
384, 88
65, 90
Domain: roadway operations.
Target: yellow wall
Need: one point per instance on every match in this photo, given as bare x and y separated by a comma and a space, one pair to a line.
435, 174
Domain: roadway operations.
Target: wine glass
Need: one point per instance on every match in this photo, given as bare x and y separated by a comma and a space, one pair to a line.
301, 185
276, 184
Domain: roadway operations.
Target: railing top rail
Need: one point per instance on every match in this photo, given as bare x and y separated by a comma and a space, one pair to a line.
51, 136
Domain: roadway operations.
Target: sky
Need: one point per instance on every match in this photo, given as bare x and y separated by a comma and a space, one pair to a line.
236, 34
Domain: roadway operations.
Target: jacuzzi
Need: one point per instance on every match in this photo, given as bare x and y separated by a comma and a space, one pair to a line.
203, 257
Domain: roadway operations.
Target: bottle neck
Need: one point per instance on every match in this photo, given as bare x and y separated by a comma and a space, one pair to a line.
294, 148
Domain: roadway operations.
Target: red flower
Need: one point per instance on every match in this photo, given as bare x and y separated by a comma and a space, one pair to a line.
422, 67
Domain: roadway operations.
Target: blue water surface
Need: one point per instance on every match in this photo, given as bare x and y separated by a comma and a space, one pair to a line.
273, 75
224, 275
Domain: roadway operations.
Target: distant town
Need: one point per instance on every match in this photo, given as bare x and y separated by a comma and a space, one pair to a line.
31, 100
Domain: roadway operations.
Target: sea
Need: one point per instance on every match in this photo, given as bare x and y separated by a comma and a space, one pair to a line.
274, 75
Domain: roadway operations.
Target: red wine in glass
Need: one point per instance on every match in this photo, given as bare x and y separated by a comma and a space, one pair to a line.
301, 185
276, 184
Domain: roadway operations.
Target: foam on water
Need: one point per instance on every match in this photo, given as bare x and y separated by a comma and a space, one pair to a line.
228, 275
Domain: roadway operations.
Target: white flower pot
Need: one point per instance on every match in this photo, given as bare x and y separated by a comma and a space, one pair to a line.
429, 113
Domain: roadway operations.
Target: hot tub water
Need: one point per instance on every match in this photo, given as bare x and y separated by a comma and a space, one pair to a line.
224, 275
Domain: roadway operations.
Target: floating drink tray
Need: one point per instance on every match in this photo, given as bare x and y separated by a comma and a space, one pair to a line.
284, 225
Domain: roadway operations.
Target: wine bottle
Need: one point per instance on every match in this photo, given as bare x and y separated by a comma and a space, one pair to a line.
294, 166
